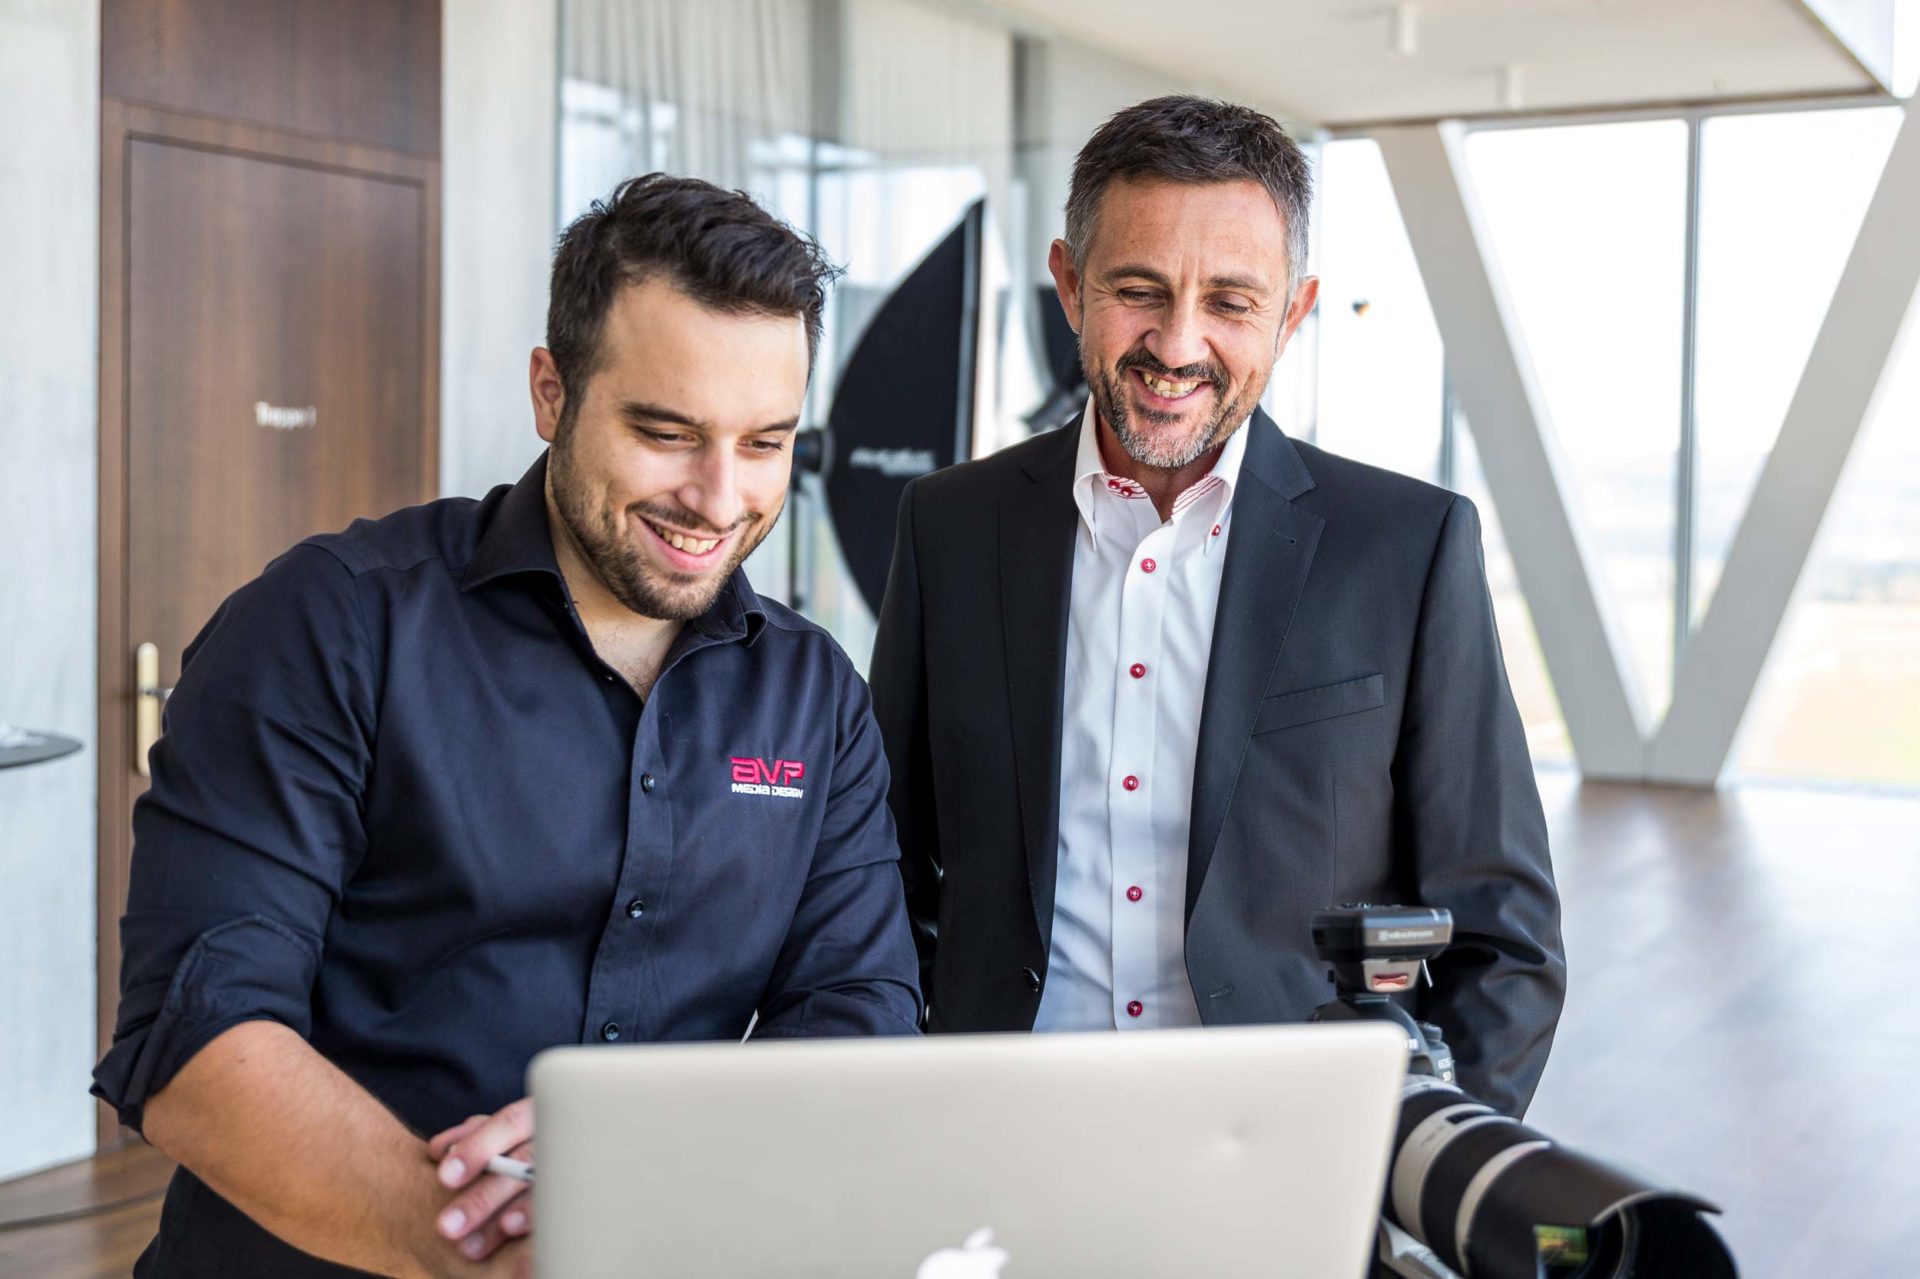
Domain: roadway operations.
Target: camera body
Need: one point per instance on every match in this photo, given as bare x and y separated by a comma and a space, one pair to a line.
1471, 1192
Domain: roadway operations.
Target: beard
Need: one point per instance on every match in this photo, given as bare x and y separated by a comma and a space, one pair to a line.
1161, 450
605, 537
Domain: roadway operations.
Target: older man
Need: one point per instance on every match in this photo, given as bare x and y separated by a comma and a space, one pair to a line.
1158, 685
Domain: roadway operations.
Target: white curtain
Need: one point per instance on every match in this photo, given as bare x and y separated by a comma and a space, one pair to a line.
739, 91
922, 86
718, 89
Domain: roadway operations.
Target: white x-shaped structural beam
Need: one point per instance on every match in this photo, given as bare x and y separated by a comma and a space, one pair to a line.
1493, 377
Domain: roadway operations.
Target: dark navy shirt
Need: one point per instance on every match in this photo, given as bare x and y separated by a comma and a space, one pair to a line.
403, 808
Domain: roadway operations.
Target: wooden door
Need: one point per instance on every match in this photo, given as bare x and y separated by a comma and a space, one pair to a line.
269, 353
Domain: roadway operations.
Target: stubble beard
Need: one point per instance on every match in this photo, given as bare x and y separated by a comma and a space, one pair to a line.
1155, 449
606, 540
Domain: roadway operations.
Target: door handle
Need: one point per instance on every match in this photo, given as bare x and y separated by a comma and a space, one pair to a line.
149, 698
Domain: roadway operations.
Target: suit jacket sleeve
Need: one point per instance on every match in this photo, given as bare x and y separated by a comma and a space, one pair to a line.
898, 676
1471, 818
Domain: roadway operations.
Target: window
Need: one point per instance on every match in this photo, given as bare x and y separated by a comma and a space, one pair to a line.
1589, 223
1381, 372
1841, 695
1383, 398
1533, 693
1587, 226
1781, 199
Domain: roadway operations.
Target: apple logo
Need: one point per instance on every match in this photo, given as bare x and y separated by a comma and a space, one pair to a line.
977, 1258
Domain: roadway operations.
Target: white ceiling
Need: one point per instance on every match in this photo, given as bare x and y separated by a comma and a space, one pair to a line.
1332, 62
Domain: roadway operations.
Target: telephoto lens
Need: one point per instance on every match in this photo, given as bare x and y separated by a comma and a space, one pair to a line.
1489, 1197
1493, 1197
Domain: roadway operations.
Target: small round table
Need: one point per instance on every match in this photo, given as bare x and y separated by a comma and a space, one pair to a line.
20, 747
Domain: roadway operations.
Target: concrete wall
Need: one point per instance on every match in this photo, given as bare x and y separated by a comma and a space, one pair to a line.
49, 321
498, 147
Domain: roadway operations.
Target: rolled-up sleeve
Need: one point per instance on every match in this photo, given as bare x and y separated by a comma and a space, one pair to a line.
847, 966
251, 827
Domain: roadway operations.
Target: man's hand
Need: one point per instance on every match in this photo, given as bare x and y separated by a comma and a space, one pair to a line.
490, 1209
283, 1135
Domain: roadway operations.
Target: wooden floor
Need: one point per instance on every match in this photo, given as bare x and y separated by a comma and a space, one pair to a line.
1738, 1022
98, 1215
1740, 1016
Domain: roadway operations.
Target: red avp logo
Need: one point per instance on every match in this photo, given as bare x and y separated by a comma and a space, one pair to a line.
776, 777
773, 772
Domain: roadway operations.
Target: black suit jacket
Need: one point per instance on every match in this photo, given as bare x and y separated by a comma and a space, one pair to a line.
1358, 742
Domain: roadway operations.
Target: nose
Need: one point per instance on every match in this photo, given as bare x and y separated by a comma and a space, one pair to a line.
1181, 337
712, 488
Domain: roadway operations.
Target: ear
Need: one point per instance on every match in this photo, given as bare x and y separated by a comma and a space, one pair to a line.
549, 394
1066, 281
1298, 309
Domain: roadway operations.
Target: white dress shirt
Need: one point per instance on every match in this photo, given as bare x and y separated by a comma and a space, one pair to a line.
1139, 630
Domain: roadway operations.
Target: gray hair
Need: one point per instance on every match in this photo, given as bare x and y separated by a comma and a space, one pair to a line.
1188, 139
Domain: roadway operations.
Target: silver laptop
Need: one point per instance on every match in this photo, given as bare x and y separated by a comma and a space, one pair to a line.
1174, 1154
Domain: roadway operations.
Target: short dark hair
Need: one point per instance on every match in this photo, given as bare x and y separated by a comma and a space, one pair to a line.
1187, 139
718, 247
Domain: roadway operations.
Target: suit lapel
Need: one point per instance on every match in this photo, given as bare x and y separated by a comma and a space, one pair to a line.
1036, 574
1268, 557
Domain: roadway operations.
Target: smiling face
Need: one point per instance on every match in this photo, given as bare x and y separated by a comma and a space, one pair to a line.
675, 464
1181, 303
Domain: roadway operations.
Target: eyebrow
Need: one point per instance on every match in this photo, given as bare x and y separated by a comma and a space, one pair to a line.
1140, 271
641, 411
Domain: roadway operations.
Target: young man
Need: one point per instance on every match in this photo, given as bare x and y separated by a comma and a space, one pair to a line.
1159, 685
483, 777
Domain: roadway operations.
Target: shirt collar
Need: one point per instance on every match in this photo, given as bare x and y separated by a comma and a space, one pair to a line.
518, 541
1090, 472
736, 614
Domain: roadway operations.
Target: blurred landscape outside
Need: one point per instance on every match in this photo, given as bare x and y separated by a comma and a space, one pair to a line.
1588, 224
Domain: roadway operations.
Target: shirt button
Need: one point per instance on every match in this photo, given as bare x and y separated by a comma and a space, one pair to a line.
1216, 530
1147, 566
646, 782
1130, 782
611, 1031
1137, 670
636, 908
1135, 1008
1134, 894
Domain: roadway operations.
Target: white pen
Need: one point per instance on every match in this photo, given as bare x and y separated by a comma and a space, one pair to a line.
513, 1168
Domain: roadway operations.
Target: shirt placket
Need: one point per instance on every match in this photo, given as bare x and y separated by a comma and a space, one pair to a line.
1145, 590
615, 1008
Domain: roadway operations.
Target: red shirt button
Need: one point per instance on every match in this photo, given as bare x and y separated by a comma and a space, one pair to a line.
1147, 566
1135, 1008
1130, 782
1216, 530
1137, 670
1134, 894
